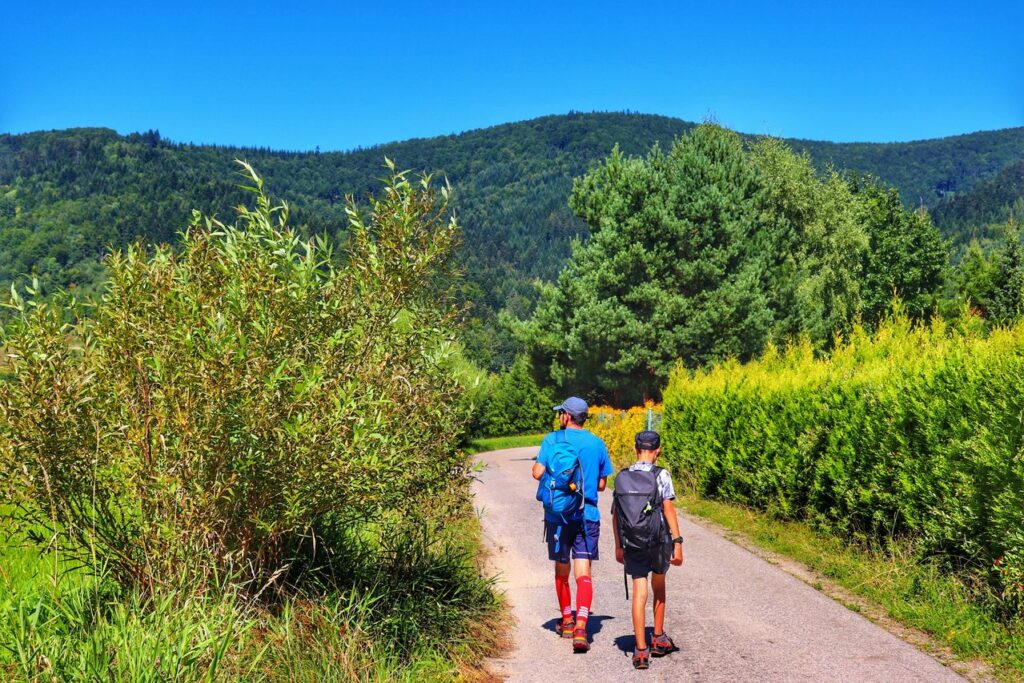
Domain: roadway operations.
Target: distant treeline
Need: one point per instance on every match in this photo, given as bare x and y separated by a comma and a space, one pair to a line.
66, 196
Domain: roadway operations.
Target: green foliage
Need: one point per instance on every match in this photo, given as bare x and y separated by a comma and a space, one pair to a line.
224, 400
410, 610
1007, 300
710, 251
977, 213
667, 273
992, 282
66, 197
513, 404
975, 277
913, 432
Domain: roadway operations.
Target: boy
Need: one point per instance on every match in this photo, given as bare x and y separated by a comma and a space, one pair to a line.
647, 543
580, 533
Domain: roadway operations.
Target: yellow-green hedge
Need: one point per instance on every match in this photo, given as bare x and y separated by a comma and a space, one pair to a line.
618, 428
914, 431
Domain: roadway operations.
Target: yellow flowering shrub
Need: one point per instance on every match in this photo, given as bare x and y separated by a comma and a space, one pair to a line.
617, 428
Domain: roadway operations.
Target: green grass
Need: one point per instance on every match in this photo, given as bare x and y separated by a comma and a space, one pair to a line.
498, 443
910, 591
422, 625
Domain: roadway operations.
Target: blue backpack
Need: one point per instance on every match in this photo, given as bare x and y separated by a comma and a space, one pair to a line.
561, 486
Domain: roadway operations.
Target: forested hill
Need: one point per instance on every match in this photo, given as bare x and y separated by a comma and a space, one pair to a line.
988, 203
66, 195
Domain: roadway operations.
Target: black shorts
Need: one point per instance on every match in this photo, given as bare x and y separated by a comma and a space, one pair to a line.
640, 563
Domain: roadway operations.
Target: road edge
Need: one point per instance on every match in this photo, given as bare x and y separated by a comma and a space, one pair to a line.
974, 670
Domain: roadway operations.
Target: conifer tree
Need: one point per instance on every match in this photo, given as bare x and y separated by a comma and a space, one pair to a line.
668, 274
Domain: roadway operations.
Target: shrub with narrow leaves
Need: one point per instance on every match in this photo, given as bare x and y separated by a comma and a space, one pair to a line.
224, 397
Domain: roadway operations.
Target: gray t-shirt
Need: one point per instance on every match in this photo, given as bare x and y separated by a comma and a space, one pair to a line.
668, 492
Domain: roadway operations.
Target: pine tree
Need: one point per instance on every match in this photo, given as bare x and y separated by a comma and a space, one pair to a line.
669, 273
1008, 291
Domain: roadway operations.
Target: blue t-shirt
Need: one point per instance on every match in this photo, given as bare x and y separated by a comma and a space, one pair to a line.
594, 460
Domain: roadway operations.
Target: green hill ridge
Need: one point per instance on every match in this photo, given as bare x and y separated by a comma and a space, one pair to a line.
65, 196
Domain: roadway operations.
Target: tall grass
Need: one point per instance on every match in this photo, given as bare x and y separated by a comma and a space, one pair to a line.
416, 609
914, 432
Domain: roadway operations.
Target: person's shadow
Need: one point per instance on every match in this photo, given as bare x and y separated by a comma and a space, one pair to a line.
594, 624
627, 643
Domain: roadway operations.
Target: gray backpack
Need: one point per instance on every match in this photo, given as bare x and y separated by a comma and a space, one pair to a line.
637, 504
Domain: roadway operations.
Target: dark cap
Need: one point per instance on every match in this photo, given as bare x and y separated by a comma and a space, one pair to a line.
576, 407
648, 441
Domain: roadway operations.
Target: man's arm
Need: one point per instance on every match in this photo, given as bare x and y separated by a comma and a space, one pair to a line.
602, 483
538, 470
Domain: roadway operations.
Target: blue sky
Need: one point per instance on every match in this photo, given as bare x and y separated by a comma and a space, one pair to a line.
296, 75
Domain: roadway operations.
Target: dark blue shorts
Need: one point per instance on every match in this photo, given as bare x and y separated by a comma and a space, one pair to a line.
579, 537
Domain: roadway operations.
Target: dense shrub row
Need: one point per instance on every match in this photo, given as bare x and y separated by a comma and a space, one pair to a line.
913, 432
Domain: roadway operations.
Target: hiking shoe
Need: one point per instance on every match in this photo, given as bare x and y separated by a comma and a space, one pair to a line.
662, 645
641, 658
567, 626
580, 642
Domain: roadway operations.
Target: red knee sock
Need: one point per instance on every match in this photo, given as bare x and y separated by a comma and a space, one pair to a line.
584, 596
564, 595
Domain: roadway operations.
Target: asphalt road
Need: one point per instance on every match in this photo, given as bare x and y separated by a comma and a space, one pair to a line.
734, 616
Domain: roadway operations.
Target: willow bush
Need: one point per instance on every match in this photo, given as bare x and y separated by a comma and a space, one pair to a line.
224, 398
914, 432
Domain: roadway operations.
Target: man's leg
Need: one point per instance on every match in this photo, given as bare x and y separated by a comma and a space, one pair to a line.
562, 589
584, 592
585, 550
559, 546
639, 610
658, 588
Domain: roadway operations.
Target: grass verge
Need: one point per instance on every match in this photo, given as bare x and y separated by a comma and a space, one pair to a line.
894, 588
428, 615
498, 443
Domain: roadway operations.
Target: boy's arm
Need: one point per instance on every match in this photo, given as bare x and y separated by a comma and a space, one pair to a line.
673, 524
538, 470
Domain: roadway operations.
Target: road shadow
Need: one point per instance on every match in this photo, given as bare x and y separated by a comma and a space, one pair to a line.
627, 642
594, 624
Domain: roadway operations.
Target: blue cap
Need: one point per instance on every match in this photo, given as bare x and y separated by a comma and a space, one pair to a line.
574, 406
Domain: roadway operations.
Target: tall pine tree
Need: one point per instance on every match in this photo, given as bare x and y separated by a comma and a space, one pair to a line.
669, 274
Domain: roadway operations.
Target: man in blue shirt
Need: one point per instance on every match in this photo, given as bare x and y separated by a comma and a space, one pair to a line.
577, 536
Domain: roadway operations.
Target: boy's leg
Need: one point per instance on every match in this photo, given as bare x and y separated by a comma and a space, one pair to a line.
658, 588
639, 611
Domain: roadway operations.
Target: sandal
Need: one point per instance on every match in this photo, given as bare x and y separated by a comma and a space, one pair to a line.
580, 643
661, 645
566, 628
641, 658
